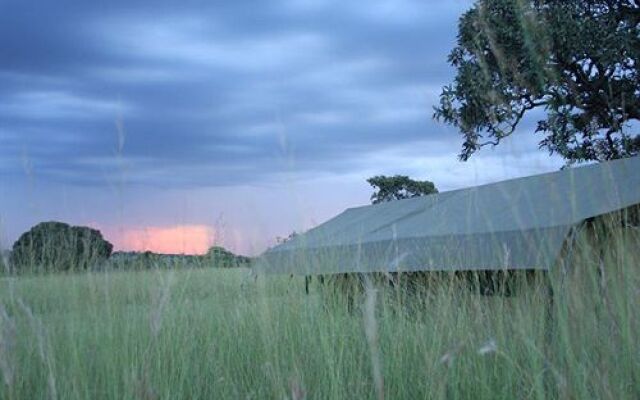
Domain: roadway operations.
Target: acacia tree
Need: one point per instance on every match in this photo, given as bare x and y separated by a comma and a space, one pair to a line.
398, 187
576, 59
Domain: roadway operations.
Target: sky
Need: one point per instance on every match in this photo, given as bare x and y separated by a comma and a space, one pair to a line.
173, 126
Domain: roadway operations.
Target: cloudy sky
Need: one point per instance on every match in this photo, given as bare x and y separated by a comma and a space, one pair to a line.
173, 125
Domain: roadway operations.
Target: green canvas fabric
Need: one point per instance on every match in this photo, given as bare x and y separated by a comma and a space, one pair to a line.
515, 224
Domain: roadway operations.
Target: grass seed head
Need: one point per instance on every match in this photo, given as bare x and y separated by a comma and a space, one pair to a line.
489, 347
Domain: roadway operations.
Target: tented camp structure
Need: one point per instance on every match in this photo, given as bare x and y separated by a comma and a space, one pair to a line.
516, 224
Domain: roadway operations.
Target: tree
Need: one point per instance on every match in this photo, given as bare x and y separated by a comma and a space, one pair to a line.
223, 258
575, 59
398, 187
56, 246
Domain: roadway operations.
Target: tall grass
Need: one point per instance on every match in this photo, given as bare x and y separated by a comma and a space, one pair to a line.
205, 333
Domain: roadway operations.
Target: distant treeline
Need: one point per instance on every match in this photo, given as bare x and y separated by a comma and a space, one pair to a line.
58, 247
217, 257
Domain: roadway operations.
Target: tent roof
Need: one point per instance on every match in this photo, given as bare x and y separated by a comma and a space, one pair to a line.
517, 224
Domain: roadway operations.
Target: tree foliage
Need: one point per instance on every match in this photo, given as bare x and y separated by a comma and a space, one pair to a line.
56, 246
398, 187
223, 258
575, 59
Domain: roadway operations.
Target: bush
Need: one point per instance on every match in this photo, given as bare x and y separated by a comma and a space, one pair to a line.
56, 246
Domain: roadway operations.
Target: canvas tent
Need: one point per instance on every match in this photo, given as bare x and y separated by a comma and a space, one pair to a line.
515, 224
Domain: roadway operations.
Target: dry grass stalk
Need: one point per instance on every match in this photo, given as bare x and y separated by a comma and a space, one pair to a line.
43, 348
297, 389
371, 331
159, 303
7, 343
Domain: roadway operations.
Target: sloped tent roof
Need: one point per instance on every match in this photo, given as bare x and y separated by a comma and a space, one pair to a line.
516, 224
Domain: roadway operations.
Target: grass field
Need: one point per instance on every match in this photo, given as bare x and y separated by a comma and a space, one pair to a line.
206, 333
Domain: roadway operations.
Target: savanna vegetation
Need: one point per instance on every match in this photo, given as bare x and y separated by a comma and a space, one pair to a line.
216, 257
56, 246
213, 333
51, 247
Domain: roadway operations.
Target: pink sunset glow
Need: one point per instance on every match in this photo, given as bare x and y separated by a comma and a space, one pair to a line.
181, 239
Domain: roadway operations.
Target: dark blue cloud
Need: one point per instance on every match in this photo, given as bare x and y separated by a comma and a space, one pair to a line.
215, 93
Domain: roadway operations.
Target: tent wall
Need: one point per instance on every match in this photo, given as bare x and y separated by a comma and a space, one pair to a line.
534, 249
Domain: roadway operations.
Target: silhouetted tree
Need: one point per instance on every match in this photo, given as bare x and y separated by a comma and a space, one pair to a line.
223, 258
398, 187
56, 246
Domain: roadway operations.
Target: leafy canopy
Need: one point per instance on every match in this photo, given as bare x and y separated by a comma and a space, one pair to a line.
56, 246
223, 258
398, 187
575, 59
